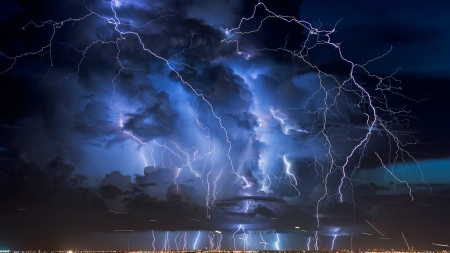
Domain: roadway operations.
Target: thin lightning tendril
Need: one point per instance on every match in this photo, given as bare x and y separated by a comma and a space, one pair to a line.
332, 242
407, 245
196, 240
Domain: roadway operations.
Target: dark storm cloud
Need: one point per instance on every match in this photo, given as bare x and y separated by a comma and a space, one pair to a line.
148, 184
227, 90
58, 201
118, 180
155, 120
264, 211
160, 175
110, 191
403, 33
259, 210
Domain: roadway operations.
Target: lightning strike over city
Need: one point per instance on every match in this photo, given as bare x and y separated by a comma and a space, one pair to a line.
224, 125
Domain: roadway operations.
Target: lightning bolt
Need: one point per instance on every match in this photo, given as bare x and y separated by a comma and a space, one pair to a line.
219, 241
407, 245
166, 242
233, 235
277, 242
316, 244
375, 105
247, 206
246, 240
185, 237
392, 174
153, 242
143, 158
211, 240
332, 242
281, 117
176, 244
290, 174
262, 240
196, 240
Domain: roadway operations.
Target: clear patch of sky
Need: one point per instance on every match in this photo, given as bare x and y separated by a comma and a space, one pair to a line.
417, 30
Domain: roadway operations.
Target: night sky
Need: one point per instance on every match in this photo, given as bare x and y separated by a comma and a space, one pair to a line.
281, 124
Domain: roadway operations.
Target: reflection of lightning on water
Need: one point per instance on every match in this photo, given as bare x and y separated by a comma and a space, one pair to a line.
153, 242
186, 240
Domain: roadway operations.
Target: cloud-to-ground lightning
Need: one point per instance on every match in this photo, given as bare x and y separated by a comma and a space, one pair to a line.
176, 242
316, 243
246, 240
186, 240
154, 239
262, 240
332, 242
374, 121
166, 242
407, 245
233, 236
129, 239
392, 174
211, 240
196, 240
277, 246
